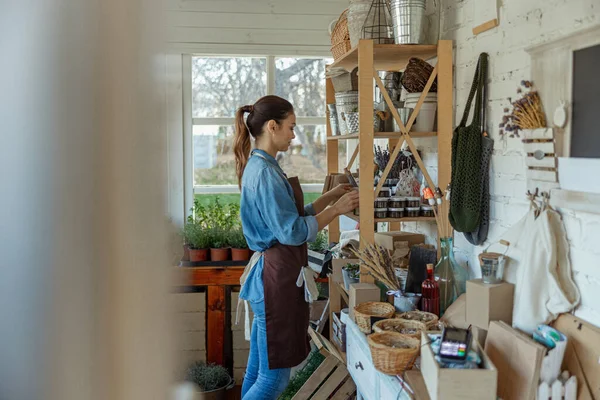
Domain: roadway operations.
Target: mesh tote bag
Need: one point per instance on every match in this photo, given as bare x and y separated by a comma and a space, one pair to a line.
466, 182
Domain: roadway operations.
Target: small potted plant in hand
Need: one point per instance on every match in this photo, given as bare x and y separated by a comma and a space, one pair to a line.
219, 248
211, 380
197, 240
351, 274
239, 246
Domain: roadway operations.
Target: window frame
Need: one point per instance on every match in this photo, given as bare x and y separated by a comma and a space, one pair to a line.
190, 122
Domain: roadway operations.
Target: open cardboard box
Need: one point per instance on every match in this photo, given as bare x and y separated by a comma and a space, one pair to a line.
464, 384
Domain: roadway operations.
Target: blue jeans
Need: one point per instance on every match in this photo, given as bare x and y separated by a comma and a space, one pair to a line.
260, 382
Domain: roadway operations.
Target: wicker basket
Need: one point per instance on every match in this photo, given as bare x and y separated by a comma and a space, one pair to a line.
392, 352
429, 319
340, 38
363, 313
400, 326
416, 75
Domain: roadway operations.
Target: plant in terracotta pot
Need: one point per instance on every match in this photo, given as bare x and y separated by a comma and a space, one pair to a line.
197, 240
239, 247
211, 380
319, 256
219, 244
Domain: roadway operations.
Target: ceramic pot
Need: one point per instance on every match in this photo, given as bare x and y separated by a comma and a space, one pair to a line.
240, 254
198, 255
219, 254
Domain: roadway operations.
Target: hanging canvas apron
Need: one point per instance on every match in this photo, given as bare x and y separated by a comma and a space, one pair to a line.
289, 288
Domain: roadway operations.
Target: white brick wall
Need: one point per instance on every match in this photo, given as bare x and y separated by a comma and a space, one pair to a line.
189, 329
240, 346
522, 23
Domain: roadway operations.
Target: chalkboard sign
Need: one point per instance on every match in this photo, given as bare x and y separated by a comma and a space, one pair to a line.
585, 127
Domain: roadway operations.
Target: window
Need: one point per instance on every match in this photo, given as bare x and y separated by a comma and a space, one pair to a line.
220, 85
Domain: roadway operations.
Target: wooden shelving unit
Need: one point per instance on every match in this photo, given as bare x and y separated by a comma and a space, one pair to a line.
371, 58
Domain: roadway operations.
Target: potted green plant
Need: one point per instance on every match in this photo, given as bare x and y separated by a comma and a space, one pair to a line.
351, 274
197, 240
239, 246
212, 380
219, 244
318, 253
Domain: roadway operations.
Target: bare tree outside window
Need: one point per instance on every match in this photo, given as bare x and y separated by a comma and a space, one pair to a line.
220, 85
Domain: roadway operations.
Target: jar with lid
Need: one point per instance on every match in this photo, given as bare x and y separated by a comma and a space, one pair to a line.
397, 202
395, 212
427, 211
381, 212
385, 192
413, 212
413, 201
381, 202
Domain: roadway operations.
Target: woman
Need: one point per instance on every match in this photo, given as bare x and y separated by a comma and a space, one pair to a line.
277, 227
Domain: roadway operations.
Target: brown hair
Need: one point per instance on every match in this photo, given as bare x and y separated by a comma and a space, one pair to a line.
264, 110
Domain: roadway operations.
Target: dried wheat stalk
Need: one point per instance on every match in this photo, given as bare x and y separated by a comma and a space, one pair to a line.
378, 262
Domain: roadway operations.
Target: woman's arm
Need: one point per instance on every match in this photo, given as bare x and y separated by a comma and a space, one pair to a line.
329, 197
346, 203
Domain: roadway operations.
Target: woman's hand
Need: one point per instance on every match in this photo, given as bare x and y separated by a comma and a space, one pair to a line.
347, 202
337, 192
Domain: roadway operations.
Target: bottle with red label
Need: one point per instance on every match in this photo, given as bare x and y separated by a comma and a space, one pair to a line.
430, 293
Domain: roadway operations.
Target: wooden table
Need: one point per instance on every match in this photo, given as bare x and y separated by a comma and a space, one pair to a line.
218, 279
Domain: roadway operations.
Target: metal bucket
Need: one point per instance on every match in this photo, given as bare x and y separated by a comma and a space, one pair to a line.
405, 114
346, 102
409, 21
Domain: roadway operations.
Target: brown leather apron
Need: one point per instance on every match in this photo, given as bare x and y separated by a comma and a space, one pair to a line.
287, 312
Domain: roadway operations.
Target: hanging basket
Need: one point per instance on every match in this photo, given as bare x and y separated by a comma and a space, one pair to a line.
429, 319
393, 353
340, 38
402, 326
416, 75
363, 313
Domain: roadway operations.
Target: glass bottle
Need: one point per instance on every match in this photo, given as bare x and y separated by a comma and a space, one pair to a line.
430, 293
450, 276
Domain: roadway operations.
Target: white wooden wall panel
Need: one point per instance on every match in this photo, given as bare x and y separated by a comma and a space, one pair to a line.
265, 27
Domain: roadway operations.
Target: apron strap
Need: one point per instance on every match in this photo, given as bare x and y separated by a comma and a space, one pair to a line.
251, 264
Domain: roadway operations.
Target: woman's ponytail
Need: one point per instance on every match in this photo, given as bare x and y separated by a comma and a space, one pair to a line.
267, 108
241, 144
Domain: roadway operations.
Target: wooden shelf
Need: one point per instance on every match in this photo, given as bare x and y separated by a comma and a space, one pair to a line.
343, 292
388, 57
385, 135
407, 219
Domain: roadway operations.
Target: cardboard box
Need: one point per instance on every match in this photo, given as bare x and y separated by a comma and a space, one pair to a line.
487, 303
464, 384
336, 268
387, 239
518, 359
362, 293
480, 335
582, 357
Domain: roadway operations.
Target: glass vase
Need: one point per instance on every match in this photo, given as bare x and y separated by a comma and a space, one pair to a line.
450, 276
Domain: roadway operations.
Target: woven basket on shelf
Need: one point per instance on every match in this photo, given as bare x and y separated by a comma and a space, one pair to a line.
429, 319
416, 75
402, 326
340, 38
392, 352
363, 313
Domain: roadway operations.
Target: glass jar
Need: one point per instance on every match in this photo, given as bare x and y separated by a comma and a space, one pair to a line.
381, 213
381, 202
391, 182
450, 276
395, 212
385, 192
413, 212
427, 211
397, 202
413, 202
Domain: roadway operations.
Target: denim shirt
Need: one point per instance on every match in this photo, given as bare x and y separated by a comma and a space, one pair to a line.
269, 216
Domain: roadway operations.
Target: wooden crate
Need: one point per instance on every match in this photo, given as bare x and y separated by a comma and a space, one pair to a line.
331, 380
